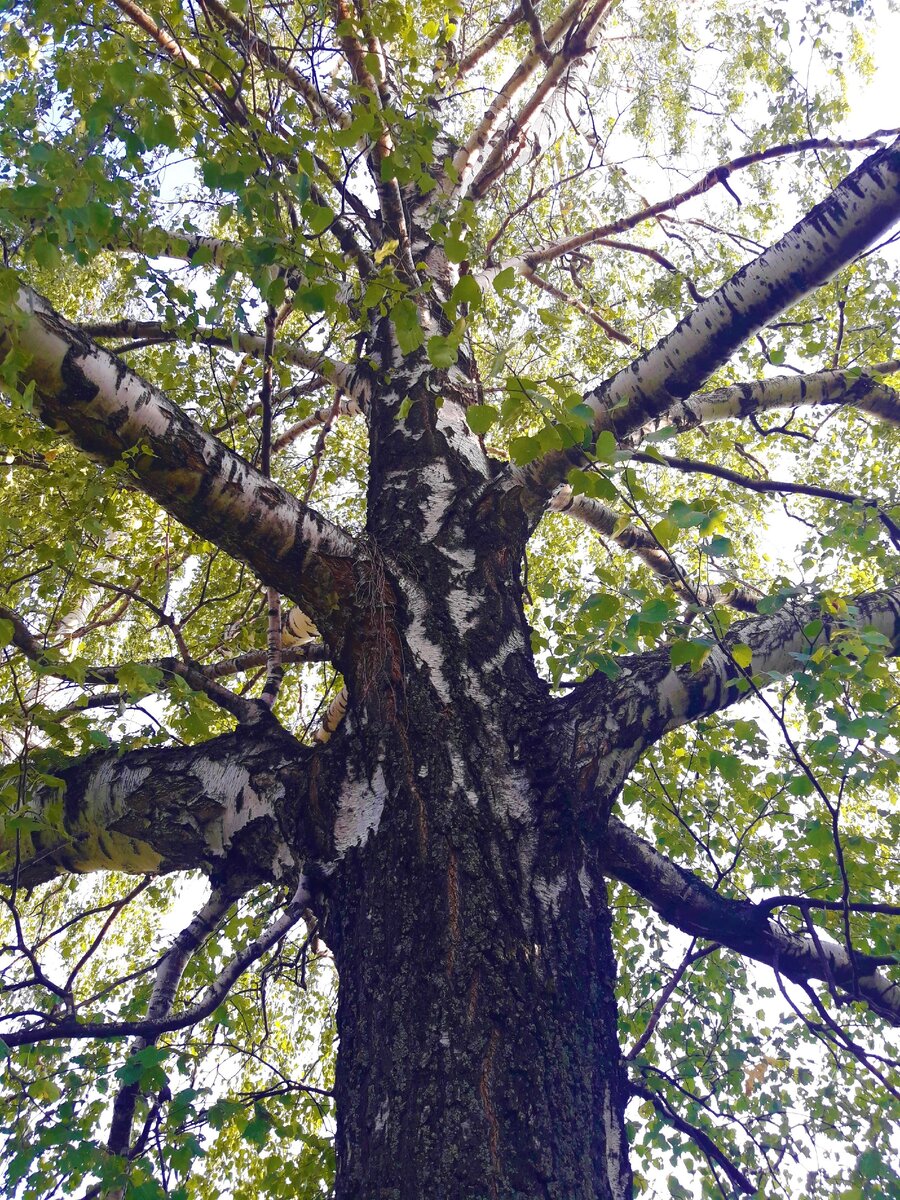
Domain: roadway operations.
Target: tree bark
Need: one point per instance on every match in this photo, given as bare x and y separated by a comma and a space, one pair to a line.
470, 926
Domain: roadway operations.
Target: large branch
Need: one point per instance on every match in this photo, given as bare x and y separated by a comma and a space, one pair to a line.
862, 208
691, 905
218, 807
113, 414
618, 719
862, 390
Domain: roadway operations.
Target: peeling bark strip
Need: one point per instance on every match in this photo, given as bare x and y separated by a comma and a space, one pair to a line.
111, 412
691, 905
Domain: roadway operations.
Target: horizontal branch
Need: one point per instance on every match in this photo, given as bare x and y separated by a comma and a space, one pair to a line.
216, 807
691, 905
200, 677
862, 390
784, 487
111, 413
238, 340
710, 180
660, 697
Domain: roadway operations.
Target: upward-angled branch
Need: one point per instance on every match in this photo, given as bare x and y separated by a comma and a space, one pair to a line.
859, 210
318, 102
171, 47
112, 413
650, 696
493, 36
468, 158
691, 905
168, 977
508, 144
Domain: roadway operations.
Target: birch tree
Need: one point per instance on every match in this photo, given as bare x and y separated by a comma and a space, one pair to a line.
451, 532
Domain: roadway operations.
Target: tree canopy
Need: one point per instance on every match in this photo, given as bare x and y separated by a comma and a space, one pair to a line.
612, 286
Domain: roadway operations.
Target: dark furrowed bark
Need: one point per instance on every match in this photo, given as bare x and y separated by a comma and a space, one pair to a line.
477, 1018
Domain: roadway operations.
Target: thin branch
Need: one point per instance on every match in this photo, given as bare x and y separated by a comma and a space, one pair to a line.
737, 1178
558, 294
716, 176
695, 466
318, 102
212, 998
641, 542
238, 340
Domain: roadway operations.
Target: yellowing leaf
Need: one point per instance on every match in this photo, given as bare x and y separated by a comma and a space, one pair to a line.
742, 655
385, 249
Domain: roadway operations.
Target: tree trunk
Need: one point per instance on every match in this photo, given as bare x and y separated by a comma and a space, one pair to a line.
469, 920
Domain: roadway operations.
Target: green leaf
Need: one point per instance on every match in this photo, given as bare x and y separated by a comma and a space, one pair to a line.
524, 449
602, 606
318, 218
385, 250
481, 417
455, 249
504, 280
410, 335
693, 654
605, 446
442, 351
466, 291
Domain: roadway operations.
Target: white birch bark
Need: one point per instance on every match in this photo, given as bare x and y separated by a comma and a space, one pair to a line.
686, 902
860, 209
113, 414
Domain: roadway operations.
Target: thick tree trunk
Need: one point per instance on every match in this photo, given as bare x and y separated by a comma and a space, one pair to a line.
477, 1021
468, 916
